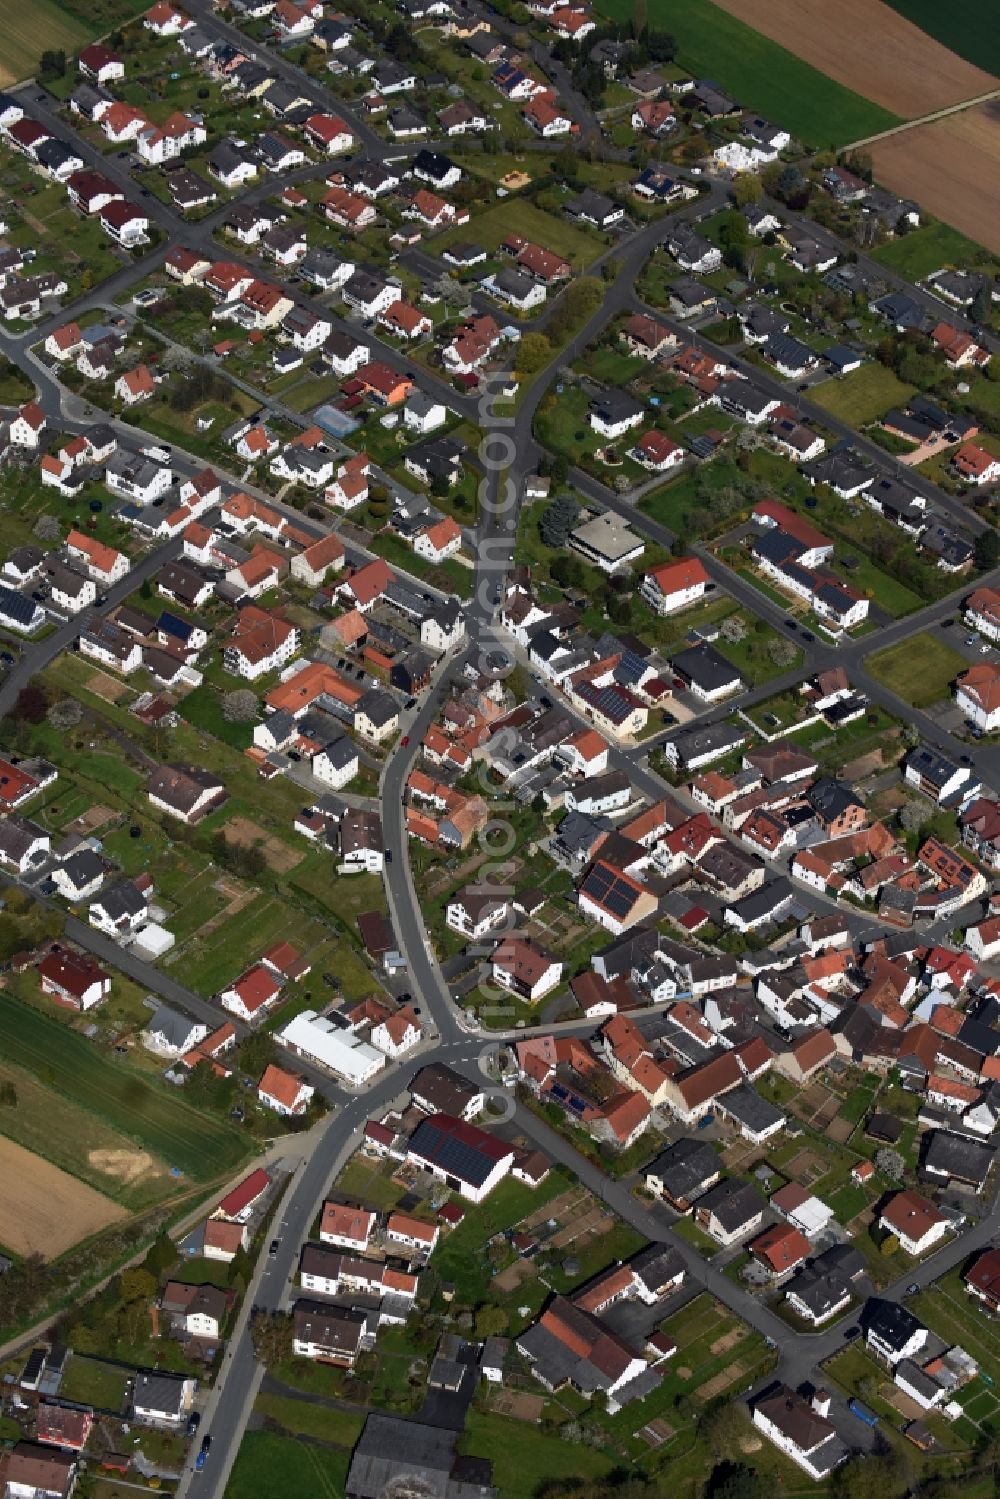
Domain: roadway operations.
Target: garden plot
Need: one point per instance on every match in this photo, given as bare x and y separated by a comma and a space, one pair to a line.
279, 856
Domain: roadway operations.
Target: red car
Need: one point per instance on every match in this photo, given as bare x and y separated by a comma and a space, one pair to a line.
405, 740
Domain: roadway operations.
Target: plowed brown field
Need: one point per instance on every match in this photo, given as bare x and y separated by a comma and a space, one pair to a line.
869, 48
951, 167
44, 1210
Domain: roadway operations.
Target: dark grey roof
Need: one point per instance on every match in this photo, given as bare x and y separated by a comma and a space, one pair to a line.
83, 867
684, 1167
159, 1392
745, 396
842, 468
657, 1265
765, 903
432, 164
341, 752
592, 205
917, 1379
831, 798
892, 1323
733, 1202
410, 1456
713, 740
17, 834
781, 348
821, 1287
746, 1106
705, 667
17, 606
377, 705
930, 765
616, 406
958, 1157
122, 899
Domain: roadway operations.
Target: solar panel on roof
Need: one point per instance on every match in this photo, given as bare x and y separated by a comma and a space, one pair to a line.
632, 667
454, 1156
610, 890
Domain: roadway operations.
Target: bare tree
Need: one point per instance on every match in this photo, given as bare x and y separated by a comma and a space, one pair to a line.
65, 714
240, 706
912, 817
47, 528
891, 1164
782, 652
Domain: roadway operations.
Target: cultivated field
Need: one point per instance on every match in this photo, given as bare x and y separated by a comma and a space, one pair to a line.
762, 74
969, 29
950, 167
42, 1209
76, 1141
145, 1112
870, 48
28, 30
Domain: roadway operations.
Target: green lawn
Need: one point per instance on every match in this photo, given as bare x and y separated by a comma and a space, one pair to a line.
949, 1310
150, 1113
520, 216
203, 708
460, 1257
372, 1184
303, 1418
274, 1467
450, 576
524, 1457
688, 1230
933, 246
212, 961
761, 74
920, 670
863, 395
91, 1382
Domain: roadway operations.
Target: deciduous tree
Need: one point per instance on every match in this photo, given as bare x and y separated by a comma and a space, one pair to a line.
65, 714
747, 189
271, 1335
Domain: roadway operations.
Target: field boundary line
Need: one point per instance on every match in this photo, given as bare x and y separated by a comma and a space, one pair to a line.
928, 119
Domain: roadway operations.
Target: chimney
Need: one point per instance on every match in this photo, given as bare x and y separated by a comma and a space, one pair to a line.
821, 1402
